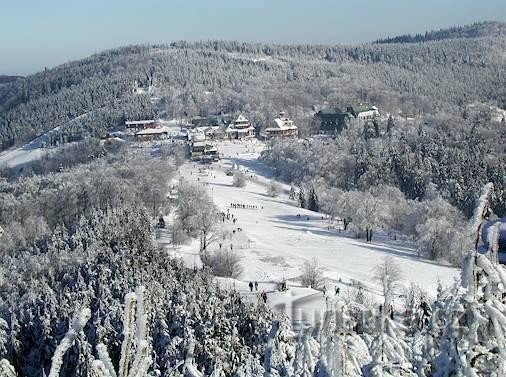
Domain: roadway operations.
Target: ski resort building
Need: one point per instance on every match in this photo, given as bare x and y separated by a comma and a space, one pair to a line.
210, 153
363, 112
241, 128
202, 151
197, 149
215, 132
141, 124
282, 127
152, 134
212, 121
196, 135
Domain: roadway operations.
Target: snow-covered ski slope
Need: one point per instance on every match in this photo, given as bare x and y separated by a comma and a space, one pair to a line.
27, 153
33, 150
275, 242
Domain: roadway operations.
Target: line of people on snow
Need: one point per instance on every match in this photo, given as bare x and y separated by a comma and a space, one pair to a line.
243, 206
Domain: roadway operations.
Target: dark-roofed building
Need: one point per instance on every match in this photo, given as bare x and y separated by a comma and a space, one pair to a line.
141, 124
332, 121
211, 121
363, 112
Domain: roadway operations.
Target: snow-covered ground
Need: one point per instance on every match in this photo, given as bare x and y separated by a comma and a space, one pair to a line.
275, 241
33, 150
27, 153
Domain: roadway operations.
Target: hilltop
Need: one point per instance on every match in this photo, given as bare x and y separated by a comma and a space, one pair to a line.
206, 77
476, 30
4, 79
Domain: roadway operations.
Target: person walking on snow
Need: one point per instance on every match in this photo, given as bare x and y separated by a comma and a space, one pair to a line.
256, 285
324, 290
263, 296
250, 286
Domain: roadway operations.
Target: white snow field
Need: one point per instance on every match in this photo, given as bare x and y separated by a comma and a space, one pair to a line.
29, 152
33, 150
275, 242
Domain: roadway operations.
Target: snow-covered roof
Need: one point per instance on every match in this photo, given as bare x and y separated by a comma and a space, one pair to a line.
282, 124
152, 131
241, 119
245, 130
198, 144
134, 122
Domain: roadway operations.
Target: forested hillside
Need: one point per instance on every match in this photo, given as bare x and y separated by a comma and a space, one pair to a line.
478, 29
197, 78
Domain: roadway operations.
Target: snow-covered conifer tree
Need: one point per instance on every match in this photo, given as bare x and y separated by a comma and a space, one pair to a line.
135, 348
306, 354
473, 342
78, 323
342, 351
389, 351
280, 349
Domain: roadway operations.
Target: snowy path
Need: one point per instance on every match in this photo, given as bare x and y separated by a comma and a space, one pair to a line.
280, 241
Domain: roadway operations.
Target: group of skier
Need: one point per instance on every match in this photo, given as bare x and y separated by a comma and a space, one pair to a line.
243, 206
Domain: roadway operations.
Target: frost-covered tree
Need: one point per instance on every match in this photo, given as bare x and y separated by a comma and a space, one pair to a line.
312, 274
292, 193
136, 346
313, 203
77, 326
273, 189
306, 353
280, 349
472, 341
239, 179
342, 351
196, 214
390, 353
226, 263
301, 199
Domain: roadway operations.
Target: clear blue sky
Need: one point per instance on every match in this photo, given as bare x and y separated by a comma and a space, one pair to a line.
43, 33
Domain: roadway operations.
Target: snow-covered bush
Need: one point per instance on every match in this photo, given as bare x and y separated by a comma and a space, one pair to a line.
273, 189
239, 179
224, 263
312, 274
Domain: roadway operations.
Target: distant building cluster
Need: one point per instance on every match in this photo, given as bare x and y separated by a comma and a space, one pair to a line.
202, 132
